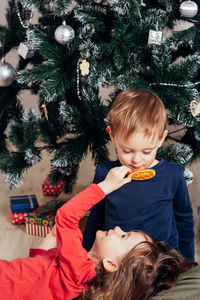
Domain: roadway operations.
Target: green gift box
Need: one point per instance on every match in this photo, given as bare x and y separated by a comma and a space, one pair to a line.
41, 221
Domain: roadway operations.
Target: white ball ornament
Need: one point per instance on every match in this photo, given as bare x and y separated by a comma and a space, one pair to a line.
188, 9
64, 34
7, 74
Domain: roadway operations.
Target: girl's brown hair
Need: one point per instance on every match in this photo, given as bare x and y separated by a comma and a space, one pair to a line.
146, 270
134, 110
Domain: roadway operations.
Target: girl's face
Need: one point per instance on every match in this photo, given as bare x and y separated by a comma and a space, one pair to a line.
116, 243
138, 152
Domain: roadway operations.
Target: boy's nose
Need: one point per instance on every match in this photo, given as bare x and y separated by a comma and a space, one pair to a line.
135, 158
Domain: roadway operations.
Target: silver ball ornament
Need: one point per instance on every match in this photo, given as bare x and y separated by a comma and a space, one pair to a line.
188, 9
64, 34
7, 74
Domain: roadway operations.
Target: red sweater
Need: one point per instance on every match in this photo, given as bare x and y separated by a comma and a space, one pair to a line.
59, 273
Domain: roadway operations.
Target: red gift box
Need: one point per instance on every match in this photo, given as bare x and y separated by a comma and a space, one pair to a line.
41, 221
49, 190
17, 218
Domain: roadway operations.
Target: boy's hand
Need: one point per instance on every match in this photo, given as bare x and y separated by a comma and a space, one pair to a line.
115, 179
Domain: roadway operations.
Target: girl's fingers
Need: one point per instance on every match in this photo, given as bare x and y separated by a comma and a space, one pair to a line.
128, 178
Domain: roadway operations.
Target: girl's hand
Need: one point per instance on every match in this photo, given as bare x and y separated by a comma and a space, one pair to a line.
53, 231
115, 179
49, 241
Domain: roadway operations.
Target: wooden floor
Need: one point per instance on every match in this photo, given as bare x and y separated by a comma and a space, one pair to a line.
15, 243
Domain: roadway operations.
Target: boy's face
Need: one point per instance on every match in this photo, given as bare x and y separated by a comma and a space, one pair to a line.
138, 152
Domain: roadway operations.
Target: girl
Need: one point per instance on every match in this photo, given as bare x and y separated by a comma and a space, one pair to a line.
120, 265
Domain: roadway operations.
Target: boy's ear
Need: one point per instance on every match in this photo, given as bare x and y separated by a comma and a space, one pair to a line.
165, 134
110, 133
163, 137
109, 265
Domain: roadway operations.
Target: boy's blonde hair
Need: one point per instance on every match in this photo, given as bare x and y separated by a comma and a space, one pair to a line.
137, 110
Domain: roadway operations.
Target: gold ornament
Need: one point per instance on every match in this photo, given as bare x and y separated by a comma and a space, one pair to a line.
84, 67
195, 108
44, 106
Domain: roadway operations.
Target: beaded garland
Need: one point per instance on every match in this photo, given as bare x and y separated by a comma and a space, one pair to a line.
175, 84
25, 13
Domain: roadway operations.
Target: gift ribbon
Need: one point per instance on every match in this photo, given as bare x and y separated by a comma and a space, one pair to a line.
48, 210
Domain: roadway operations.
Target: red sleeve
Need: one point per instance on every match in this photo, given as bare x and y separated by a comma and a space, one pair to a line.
74, 260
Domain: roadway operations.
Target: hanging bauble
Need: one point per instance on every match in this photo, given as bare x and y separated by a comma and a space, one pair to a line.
188, 9
7, 74
64, 34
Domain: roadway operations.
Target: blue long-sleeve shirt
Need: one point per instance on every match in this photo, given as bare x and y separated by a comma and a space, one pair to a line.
159, 206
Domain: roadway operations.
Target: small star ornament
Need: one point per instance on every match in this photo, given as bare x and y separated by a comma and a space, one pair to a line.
84, 67
195, 108
155, 37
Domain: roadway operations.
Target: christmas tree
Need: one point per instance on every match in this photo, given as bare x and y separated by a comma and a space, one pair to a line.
77, 47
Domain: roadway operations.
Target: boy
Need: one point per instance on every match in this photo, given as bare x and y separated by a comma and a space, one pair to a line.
160, 206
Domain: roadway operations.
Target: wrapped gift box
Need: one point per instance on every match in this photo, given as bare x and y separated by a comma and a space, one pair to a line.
23, 203
49, 190
41, 221
17, 218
